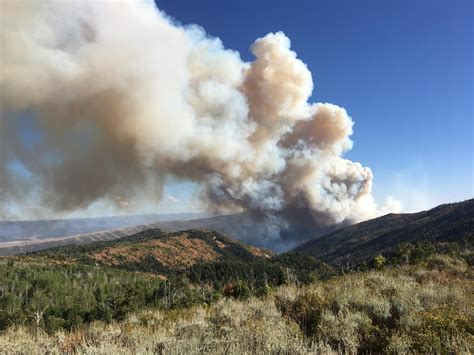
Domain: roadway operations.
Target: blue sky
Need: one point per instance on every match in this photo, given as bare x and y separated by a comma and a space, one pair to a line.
402, 69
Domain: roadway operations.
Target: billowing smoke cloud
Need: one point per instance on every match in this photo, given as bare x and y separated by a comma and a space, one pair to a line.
120, 98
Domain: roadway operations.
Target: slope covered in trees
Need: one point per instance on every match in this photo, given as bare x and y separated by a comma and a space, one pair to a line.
168, 250
67, 287
356, 244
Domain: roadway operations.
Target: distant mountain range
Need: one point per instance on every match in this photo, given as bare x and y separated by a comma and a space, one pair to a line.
452, 222
44, 229
27, 236
24, 236
350, 245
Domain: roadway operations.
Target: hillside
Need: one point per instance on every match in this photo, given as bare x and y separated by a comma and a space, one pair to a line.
66, 287
417, 309
170, 250
360, 242
202, 255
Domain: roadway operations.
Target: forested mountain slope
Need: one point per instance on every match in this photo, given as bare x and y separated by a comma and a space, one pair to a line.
360, 242
202, 255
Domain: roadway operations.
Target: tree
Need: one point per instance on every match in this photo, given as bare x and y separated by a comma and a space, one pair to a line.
40, 302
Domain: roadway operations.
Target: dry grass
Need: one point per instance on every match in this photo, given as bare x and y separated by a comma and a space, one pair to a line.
231, 327
422, 309
427, 308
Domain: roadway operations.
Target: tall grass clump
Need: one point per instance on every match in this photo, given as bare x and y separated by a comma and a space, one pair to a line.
426, 308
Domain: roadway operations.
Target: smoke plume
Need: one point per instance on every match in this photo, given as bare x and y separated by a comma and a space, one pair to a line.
121, 98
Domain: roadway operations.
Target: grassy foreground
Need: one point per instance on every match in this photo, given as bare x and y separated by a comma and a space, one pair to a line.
426, 307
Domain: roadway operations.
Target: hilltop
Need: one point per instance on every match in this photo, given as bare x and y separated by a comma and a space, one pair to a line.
202, 255
449, 223
167, 250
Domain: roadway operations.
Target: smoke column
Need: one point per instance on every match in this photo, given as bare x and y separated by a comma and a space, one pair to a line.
122, 98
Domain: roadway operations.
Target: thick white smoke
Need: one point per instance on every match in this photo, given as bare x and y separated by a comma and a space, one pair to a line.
122, 98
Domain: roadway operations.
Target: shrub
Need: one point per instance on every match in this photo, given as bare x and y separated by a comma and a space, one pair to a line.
237, 290
379, 261
305, 310
422, 308
53, 324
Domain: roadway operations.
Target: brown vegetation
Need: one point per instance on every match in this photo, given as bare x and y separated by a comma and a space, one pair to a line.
426, 308
176, 251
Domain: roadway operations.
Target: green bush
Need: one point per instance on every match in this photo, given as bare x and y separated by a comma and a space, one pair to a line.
305, 310
54, 323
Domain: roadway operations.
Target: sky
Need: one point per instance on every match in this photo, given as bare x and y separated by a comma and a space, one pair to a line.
402, 69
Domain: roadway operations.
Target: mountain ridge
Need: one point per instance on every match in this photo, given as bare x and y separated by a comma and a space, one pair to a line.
453, 222
202, 255
175, 249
